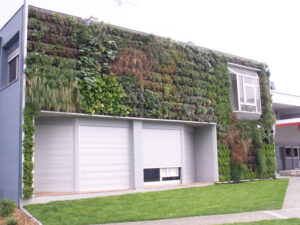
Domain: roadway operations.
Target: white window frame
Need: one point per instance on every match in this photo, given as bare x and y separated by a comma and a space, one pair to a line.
166, 182
254, 86
14, 54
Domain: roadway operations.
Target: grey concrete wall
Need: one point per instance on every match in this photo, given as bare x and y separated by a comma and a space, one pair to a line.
287, 136
290, 116
137, 169
11, 114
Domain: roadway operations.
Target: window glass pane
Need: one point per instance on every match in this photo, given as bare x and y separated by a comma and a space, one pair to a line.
288, 152
241, 87
170, 174
295, 152
248, 108
250, 96
12, 70
234, 92
151, 175
248, 80
258, 103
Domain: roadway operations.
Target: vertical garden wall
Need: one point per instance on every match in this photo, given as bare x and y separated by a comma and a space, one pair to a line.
77, 66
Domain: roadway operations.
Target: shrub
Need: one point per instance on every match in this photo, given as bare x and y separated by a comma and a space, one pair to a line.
12, 221
7, 207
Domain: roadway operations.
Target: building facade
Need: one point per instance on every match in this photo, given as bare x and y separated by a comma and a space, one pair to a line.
104, 108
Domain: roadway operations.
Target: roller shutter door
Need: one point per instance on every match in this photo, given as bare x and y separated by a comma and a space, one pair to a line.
161, 148
53, 155
104, 158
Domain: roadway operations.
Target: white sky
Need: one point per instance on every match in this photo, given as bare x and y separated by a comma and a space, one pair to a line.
263, 30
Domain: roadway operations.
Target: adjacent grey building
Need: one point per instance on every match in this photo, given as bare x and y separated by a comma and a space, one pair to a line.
287, 130
11, 104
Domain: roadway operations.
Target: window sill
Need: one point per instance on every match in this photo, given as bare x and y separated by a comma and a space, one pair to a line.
6, 86
162, 182
247, 115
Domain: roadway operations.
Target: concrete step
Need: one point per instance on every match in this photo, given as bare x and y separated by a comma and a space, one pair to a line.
294, 173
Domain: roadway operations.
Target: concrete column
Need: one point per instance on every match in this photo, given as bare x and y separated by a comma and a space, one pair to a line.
284, 158
137, 156
76, 156
207, 154
292, 153
183, 165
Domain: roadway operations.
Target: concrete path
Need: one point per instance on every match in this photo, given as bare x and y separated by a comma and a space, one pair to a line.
292, 197
291, 209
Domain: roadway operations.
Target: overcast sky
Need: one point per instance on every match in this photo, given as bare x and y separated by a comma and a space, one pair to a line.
263, 30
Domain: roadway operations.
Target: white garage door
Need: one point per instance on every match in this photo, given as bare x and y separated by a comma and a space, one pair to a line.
53, 158
104, 158
161, 148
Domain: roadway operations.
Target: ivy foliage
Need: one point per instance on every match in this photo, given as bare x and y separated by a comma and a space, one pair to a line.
268, 118
28, 143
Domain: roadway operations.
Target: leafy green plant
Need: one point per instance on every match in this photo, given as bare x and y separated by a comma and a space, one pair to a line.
224, 162
28, 143
262, 164
7, 207
12, 221
238, 171
269, 153
103, 96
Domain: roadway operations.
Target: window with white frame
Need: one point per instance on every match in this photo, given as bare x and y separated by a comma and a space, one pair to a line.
162, 175
245, 93
12, 66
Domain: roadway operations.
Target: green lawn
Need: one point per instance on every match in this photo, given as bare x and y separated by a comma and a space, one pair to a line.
270, 222
216, 199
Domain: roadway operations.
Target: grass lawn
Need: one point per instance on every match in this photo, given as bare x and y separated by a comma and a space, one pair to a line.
270, 222
215, 199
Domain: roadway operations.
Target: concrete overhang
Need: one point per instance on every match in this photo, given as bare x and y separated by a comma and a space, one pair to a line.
283, 100
45, 113
288, 122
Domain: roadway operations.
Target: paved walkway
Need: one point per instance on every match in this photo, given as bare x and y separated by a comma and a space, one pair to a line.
292, 197
291, 209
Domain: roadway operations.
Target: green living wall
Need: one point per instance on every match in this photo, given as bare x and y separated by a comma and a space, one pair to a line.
79, 66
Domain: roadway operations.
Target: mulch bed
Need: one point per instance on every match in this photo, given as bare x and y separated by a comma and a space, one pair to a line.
22, 217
